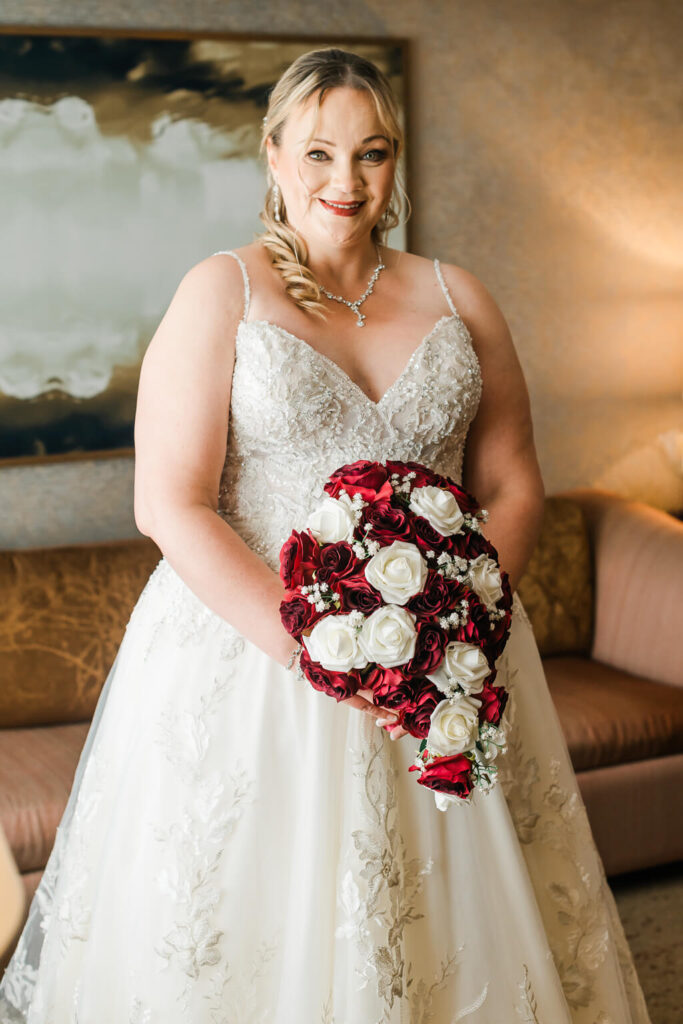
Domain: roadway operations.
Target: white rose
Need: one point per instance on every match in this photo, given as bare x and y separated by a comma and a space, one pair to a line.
332, 520
444, 800
388, 636
454, 726
333, 642
398, 571
464, 663
439, 508
486, 582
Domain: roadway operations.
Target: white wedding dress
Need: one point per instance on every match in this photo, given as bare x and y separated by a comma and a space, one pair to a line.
238, 848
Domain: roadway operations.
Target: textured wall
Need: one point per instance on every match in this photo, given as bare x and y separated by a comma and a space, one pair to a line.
546, 154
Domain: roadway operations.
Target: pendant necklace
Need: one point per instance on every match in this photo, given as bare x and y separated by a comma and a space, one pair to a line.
368, 291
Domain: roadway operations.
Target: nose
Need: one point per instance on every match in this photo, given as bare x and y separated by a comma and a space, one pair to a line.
347, 175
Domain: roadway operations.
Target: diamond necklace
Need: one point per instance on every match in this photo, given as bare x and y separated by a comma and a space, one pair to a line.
368, 291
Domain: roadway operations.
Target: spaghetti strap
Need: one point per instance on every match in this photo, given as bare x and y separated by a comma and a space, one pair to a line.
449, 300
245, 277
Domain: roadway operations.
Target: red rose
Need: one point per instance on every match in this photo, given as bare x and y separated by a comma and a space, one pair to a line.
299, 556
390, 688
339, 685
435, 598
356, 594
418, 714
477, 544
424, 476
493, 700
388, 522
448, 775
498, 636
369, 479
427, 538
429, 647
476, 629
336, 560
297, 613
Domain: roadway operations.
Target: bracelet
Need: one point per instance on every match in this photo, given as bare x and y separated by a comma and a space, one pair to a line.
293, 655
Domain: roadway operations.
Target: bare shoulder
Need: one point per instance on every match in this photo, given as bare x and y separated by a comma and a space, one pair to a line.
219, 279
204, 311
477, 307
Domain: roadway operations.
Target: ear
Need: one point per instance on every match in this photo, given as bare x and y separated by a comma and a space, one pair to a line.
271, 151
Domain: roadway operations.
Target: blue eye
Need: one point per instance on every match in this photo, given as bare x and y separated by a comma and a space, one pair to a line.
381, 153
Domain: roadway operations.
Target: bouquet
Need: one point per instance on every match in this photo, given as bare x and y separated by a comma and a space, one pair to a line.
392, 587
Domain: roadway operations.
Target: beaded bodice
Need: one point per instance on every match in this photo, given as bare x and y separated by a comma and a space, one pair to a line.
295, 416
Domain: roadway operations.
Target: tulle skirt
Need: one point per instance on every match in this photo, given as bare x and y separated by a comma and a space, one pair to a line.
238, 848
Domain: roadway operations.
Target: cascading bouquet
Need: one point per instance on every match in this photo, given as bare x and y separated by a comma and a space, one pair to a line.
392, 587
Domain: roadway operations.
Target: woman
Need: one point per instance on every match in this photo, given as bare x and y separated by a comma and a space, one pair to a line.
238, 847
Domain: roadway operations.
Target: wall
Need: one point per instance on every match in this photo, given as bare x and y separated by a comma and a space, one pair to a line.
546, 159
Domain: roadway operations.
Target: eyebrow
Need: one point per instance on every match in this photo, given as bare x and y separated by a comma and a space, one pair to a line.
368, 139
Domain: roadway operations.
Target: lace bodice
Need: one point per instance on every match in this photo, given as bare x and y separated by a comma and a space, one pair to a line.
295, 416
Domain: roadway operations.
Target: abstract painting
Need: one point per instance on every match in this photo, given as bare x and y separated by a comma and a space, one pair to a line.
124, 160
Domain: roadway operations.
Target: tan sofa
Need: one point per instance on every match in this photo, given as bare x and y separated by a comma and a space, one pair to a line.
604, 592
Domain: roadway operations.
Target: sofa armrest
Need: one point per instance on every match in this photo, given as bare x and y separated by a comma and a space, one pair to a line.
638, 564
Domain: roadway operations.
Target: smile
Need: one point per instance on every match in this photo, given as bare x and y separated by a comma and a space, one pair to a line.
342, 209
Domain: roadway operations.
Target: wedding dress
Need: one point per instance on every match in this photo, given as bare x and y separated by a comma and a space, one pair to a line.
238, 848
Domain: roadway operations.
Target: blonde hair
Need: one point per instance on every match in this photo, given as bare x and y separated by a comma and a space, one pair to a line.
316, 72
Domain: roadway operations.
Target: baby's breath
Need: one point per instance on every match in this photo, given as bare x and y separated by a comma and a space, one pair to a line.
321, 596
452, 567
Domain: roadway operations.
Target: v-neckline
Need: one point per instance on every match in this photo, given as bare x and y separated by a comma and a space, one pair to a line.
342, 374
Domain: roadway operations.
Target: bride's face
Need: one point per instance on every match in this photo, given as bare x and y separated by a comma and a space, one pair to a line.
350, 159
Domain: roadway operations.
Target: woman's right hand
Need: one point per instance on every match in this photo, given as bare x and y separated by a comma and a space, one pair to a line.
362, 700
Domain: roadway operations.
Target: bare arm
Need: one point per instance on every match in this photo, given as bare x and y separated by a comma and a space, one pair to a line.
500, 468
181, 430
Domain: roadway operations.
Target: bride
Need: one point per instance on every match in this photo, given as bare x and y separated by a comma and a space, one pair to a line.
239, 848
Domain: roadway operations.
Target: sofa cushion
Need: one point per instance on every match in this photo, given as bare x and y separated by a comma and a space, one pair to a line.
611, 717
37, 768
556, 588
65, 610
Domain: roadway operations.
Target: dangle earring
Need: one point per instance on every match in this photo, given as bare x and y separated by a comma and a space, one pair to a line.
276, 202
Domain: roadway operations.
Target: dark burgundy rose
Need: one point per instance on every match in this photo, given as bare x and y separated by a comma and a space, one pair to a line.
417, 716
436, 596
390, 688
447, 775
477, 544
424, 476
369, 479
476, 630
356, 594
429, 647
493, 700
339, 685
297, 613
299, 556
336, 560
426, 537
459, 545
498, 636
389, 522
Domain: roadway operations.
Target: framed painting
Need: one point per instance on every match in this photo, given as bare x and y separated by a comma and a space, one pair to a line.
124, 159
